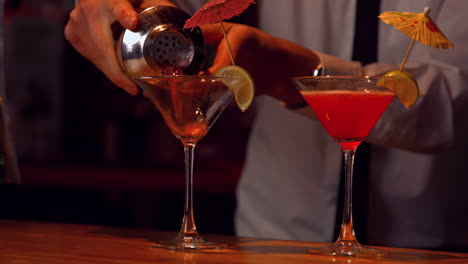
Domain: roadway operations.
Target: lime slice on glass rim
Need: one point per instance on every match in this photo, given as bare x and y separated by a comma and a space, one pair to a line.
244, 86
403, 84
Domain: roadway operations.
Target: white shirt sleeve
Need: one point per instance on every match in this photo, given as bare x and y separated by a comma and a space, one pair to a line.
429, 126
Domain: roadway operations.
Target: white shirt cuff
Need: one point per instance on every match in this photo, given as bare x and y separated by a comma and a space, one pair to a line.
332, 65
336, 66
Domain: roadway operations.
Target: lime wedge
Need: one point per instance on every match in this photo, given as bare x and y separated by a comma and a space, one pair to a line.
403, 84
244, 87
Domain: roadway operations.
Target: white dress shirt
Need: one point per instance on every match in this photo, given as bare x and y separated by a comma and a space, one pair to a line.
419, 165
419, 169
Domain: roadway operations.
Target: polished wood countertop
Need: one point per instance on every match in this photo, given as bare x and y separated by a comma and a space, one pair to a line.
24, 242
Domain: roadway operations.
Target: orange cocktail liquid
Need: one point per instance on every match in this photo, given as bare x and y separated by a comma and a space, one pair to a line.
348, 116
175, 100
188, 129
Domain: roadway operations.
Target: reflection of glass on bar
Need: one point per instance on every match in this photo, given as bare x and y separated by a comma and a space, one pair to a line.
9, 171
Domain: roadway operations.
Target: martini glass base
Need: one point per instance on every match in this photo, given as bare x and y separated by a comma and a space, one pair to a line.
348, 249
188, 242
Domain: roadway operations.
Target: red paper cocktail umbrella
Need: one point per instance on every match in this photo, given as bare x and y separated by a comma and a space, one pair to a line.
215, 11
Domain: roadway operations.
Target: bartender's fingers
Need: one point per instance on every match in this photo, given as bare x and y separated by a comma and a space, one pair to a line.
124, 13
252, 49
89, 31
213, 34
149, 3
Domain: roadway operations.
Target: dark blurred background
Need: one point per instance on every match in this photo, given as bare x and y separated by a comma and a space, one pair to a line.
90, 153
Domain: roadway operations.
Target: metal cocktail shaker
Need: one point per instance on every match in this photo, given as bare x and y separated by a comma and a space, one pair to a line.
160, 45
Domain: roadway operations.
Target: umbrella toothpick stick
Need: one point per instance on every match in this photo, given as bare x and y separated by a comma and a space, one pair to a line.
227, 43
402, 65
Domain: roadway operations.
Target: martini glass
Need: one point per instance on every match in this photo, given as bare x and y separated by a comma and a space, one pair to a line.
348, 107
189, 105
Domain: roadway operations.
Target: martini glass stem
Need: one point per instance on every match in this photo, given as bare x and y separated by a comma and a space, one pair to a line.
347, 229
188, 228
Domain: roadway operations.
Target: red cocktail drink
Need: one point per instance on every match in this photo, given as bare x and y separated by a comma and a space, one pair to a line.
348, 116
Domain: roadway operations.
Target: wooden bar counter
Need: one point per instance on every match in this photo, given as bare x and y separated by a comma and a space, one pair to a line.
40, 242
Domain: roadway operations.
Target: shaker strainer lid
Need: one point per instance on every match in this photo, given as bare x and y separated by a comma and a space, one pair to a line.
172, 49
160, 43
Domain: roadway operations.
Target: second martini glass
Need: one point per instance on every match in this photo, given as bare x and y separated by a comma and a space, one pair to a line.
348, 107
189, 106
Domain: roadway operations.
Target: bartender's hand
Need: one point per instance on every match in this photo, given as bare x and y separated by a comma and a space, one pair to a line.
271, 61
89, 31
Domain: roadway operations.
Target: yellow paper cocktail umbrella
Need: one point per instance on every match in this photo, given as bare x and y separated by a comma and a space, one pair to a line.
419, 27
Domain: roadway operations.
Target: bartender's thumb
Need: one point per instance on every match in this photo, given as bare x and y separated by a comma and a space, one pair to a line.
124, 12
222, 59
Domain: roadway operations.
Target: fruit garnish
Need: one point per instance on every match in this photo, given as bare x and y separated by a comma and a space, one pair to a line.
243, 86
403, 84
